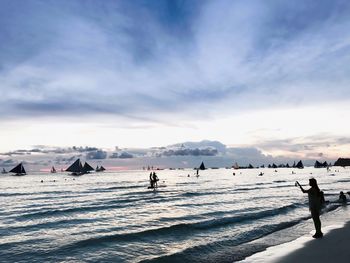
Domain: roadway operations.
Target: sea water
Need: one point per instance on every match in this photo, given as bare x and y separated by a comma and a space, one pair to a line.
113, 217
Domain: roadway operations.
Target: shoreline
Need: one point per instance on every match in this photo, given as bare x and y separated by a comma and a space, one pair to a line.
333, 247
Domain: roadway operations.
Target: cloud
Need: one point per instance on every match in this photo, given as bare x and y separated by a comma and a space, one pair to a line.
40, 149
182, 155
66, 160
8, 162
170, 58
114, 155
125, 155
310, 147
17, 152
99, 154
220, 147
193, 152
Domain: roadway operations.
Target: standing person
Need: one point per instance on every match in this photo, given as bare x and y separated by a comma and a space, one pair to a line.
155, 180
342, 197
314, 196
151, 180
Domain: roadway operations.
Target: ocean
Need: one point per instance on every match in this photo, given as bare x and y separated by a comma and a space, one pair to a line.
113, 217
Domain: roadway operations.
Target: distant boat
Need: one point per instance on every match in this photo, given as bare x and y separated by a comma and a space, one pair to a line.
235, 166
100, 169
3, 171
18, 170
87, 168
202, 167
53, 170
76, 168
300, 165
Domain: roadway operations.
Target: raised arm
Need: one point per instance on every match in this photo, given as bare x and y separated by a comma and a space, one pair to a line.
301, 188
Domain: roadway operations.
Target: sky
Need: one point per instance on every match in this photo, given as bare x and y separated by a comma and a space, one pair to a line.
269, 75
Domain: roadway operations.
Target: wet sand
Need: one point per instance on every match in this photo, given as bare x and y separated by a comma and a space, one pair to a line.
333, 247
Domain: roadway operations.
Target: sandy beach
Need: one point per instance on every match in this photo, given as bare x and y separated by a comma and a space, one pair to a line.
333, 247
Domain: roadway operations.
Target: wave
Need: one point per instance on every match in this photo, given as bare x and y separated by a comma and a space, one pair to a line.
227, 250
12, 230
343, 181
35, 194
191, 194
13, 194
112, 188
72, 210
183, 229
104, 204
259, 188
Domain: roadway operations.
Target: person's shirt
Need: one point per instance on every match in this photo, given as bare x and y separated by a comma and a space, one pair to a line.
342, 198
314, 199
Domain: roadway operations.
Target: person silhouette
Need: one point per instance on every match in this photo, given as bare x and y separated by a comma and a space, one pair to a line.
155, 180
314, 195
342, 197
151, 180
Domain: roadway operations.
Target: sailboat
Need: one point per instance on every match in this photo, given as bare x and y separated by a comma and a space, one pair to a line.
76, 168
3, 171
87, 168
300, 165
202, 167
18, 170
235, 166
100, 169
53, 170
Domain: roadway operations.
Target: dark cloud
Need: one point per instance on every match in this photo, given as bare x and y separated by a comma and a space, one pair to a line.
114, 155
66, 160
125, 155
99, 154
192, 152
122, 155
54, 150
203, 144
84, 149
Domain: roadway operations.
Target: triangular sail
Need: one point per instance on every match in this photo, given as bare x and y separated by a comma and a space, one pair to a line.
300, 165
87, 167
76, 167
19, 169
202, 167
